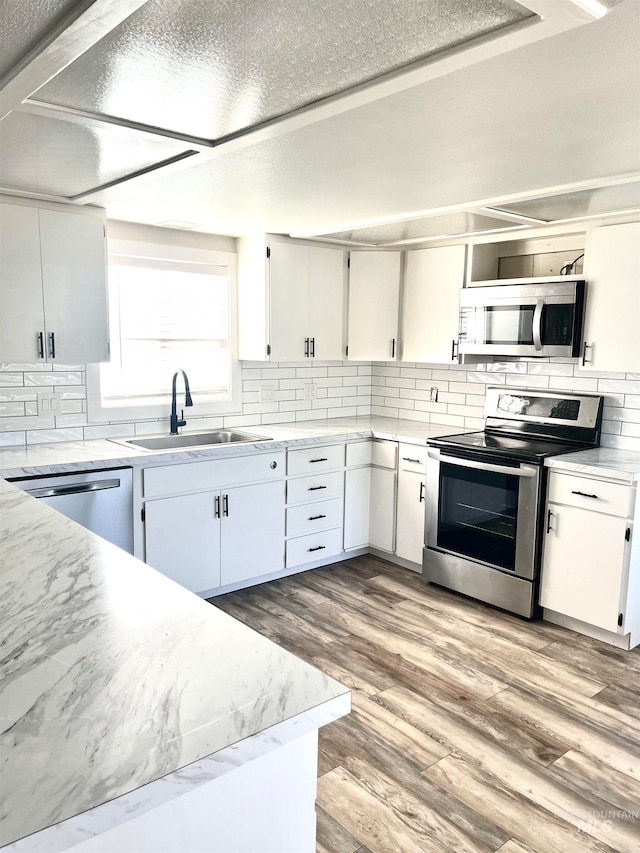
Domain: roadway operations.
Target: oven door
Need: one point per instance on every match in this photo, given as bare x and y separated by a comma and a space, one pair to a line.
485, 511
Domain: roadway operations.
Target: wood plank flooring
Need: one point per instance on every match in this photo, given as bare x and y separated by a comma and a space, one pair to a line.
471, 729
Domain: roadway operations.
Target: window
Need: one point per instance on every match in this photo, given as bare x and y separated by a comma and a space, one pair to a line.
166, 313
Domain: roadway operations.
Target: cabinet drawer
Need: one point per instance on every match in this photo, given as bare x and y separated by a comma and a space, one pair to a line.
413, 457
320, 487
212, 474
587, 493
316, 546
311, 460
384, 453
358, 453
313, 517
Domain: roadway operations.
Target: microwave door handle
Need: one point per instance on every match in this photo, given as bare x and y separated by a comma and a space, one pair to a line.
537, 325
521, 471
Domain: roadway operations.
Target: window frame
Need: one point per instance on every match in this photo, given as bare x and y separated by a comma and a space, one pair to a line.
98, 412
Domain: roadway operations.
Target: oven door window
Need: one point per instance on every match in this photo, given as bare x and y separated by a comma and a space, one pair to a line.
477, 514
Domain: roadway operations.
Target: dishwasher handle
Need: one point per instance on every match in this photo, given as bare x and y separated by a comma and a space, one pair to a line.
73, 489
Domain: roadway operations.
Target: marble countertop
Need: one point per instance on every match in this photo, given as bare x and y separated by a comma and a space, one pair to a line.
66, 457
600, 462
114, 676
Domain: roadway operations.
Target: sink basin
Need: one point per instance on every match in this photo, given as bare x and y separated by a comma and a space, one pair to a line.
192, 439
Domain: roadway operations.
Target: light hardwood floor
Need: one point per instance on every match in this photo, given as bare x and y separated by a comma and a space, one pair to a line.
471, 729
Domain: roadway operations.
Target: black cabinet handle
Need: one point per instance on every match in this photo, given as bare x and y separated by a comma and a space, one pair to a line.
421, 492
319, 548
225, 505
52, 344
40, 345
454, 344
316, 488
409, 459
393, 347
585, 347
549, 516
313, 347
322, 459
216, 505
585, 495
316, 517
306, 347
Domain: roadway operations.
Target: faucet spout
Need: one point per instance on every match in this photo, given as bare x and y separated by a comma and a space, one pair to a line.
175, 421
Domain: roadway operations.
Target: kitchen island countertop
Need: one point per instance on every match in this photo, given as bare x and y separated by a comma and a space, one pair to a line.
114, 676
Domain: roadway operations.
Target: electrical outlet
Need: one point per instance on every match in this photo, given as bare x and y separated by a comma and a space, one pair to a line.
266, 393
310, 390
434, 394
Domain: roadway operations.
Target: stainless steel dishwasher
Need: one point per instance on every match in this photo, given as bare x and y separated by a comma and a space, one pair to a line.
101, 501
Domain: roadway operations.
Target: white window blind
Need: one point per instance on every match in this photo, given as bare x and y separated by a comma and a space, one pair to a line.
166, 315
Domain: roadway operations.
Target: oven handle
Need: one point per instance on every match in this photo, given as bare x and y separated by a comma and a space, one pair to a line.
537, 325
520, 471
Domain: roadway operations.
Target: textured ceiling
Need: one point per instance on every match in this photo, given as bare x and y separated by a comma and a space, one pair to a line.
584, 203
208, 69
555, 112
23, 25
431, 226
44, 155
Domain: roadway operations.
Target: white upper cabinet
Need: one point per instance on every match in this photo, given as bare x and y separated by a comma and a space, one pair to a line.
291, 300
74, 287
327, 303
53, 296
374, 293
289, 279
433, 279
612, 271
21, 309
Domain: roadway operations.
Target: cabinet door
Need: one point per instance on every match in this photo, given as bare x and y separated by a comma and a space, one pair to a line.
431, 296
374, 292
410, 516
74, 286
289, 302
357, 500
327, 302
21, 311
252, 531
583, 564
182, 540
612, 271
382, 514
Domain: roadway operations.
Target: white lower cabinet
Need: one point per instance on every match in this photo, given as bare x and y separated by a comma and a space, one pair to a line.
382, 513
590, 570
315, 505
412, 476
182, 539
223, 535
252, 526
357, 500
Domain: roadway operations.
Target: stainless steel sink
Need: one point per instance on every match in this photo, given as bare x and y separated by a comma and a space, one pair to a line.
192, 439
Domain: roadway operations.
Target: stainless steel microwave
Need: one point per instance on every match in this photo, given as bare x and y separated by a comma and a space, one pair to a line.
541, 319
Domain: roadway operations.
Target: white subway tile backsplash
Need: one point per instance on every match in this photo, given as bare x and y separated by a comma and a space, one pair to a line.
54, 378
42, 436
347, 389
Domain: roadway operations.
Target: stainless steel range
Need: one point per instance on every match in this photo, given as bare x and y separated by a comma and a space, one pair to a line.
486, 491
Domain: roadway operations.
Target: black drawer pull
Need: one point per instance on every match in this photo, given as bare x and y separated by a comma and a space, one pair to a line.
422, 491
315, 517
409, 459
315, 488
323, 459
318, 548
584, 495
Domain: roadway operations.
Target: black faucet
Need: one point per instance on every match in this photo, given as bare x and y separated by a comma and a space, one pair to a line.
175, 423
